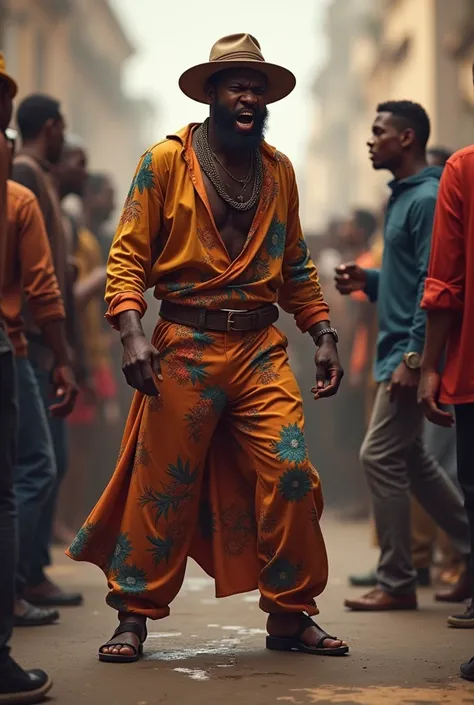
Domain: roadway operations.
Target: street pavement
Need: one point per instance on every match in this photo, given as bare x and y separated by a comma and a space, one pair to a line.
213, 651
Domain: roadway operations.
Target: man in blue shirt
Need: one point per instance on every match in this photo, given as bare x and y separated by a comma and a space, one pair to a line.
393, 453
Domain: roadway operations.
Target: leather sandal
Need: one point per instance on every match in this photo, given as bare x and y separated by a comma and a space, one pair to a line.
131, 627
295, 643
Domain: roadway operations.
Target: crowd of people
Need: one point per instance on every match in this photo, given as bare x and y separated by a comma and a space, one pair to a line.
60, 406
211, 224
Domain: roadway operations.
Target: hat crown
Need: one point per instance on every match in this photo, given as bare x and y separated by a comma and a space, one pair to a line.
236, 47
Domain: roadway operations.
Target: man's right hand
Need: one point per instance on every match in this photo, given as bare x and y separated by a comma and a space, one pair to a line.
428, 393
141, 361
349, 278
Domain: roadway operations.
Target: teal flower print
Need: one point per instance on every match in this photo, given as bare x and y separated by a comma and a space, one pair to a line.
122, 551
202, 338
295, 484
212, 400
281, 575
275, 239
291, 448
132, 580
298, 271
83, 537
216, 396
145, 179
161, 548
174, 493
197, 372
262, 364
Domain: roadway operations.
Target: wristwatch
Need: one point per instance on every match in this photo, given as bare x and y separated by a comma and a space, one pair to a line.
412, 360
326, 331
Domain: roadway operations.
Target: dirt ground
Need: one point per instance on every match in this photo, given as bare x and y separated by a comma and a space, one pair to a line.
212, 651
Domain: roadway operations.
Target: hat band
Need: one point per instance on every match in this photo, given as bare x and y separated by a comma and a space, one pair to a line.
240, 55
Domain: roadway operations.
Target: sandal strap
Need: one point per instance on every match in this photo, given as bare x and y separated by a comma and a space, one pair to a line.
139, 630
306, 623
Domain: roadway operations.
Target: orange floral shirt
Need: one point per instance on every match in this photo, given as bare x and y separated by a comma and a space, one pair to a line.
167, 239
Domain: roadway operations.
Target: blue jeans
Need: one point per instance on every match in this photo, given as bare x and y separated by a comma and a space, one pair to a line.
8, 545
35, 471
40, 555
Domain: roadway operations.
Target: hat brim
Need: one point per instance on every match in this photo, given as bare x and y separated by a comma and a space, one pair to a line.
193, 82
12, 85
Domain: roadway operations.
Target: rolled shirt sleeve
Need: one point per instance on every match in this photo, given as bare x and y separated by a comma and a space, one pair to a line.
301, 293
445, 283
130, 259
421, 225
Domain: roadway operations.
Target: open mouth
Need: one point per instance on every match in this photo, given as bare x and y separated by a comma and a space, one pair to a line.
245, 120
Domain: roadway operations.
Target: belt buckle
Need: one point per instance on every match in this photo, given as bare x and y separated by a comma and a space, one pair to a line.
230, 321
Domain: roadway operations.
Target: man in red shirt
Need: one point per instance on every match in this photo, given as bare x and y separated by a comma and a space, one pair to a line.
449, 302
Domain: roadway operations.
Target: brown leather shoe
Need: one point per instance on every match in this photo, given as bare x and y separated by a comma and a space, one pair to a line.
460, 591
380, 601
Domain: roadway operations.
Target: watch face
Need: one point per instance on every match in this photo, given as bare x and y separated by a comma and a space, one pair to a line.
413, 360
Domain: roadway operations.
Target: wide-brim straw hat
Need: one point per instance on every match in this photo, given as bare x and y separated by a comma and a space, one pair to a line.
233, 52
4, 76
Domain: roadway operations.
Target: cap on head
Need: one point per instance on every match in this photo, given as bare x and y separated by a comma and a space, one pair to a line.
231, 52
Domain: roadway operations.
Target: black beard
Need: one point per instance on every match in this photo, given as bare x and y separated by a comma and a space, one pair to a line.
224, 125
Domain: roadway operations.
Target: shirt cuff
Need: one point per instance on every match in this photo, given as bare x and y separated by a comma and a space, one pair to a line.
52, 312
440, 296
415, 345
372, 284
309, 317
128, 301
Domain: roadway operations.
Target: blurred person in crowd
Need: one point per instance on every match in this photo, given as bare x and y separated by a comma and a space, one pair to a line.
394, 454
437, 156
30, 274
70, 175
16, 685
41, 126
357, 235
215, 359
97, 412
426, 536
99, 207
447, 369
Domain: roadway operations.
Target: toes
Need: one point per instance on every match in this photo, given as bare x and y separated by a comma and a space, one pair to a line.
333, 644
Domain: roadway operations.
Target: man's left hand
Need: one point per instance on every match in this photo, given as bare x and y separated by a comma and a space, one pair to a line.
329, 372
403, 381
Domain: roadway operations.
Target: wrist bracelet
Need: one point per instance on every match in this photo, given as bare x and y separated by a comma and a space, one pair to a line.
326, 331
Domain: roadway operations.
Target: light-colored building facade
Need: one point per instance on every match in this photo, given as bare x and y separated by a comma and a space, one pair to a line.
420, 50
76, 50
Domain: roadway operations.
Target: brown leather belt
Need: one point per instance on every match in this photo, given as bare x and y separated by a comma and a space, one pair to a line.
223, 321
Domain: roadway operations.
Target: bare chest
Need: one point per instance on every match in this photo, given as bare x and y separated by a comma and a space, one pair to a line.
233, 225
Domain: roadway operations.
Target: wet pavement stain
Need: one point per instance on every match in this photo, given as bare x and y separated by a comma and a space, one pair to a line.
458, 694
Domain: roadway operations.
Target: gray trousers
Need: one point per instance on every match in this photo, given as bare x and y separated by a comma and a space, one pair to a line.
395, 460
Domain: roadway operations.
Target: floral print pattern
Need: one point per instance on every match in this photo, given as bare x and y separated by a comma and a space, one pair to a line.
295, 484
291, 446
